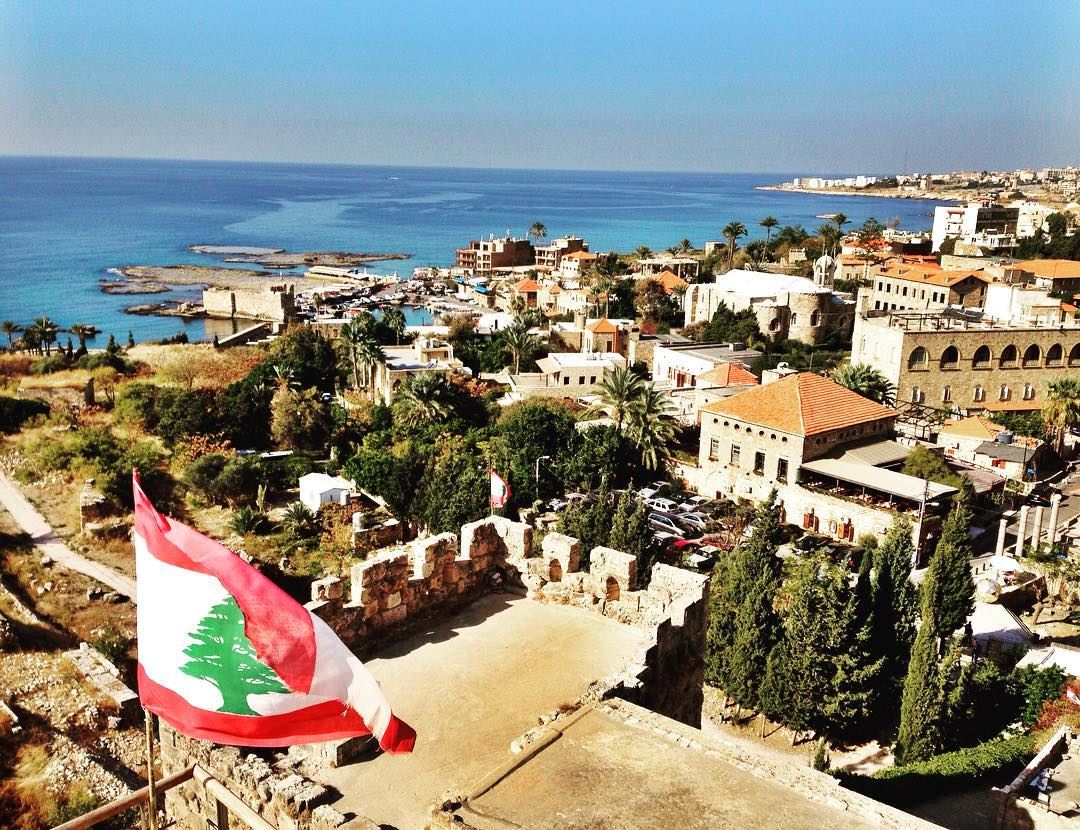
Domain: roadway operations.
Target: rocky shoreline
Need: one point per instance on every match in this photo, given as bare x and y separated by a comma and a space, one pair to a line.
281, 258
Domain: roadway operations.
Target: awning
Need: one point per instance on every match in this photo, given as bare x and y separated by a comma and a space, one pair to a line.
877, 453
876, 478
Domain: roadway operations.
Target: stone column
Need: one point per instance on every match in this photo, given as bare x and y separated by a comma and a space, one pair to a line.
1036, 531
1052, 530
1021, 531
999, 549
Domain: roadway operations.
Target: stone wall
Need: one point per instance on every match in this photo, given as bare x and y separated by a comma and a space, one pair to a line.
274, 788
429, 577
274, 303
1014, 805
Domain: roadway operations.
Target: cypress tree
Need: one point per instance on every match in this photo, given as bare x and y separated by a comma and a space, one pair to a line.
921, 707
950, 567
895, 605
857, 666
630, 532
745, 626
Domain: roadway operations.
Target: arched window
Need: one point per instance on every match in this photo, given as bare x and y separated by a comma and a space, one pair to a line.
946, 395
815, 317
794, 318
1055, 355
950, 358
1008, 357
979, 394
918, 359
1074, 355
1003, 393
774, 324
1029, 392
611, 589
982, 358
1031, 356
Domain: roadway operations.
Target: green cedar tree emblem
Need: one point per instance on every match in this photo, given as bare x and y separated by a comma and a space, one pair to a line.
222, 654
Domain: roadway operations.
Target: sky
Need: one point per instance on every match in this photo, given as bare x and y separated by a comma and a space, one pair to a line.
708, 86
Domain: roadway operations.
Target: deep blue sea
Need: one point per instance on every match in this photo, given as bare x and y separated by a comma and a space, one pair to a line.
65, 221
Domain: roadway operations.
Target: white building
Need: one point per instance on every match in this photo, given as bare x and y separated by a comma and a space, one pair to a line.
977, 223
317, 489
563, 375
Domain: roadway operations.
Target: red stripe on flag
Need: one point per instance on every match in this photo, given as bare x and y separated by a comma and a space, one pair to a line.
278, 626
328, 721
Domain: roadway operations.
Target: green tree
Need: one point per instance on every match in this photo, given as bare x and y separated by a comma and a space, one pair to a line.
863, 379
732, 232
590, 522
299, 420
425, 398
538, 231
768, 223
393, 319
921, 707
926, 464
727, 326
454, 490
631, 533
1062, 408
652, 302
83, 331
895, 602
392, 473
949, 572
744, 626
222, 654
619, 392
642, 252
651, 426
361, 349
298, 519
519, 342
47, 330
10, 328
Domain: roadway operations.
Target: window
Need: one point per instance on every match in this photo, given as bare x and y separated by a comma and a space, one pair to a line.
982, 358
581, 380
1032, 354
815, 317
1003, 393
879, 285
759, 462
950, 358
782, 469
946, 395
904, 291
1055, 355
1029, 392
1008, 358
736, 452
1074, 355
794, 318
917, 395
888, 288
979, 394
592, 379
714, 449
566, 381
919, 359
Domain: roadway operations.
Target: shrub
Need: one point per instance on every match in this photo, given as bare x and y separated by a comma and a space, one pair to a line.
944, 773
225, 479
110, 642
137, 403
1039, 686
14, 412
77, 802
247, 520
53, 363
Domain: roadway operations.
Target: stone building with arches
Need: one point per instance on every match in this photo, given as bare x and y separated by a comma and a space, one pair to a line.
966, 364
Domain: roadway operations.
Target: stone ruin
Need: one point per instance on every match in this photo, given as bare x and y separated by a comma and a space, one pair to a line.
393, 592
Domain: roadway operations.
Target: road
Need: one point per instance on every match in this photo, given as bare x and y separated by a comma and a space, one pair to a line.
46, 540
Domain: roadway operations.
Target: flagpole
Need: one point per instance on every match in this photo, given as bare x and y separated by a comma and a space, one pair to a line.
151, 789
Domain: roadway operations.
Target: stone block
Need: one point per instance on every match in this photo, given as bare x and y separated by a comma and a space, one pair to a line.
566, 550
393, 600
328, 588
609, 564
325, 817
393, 616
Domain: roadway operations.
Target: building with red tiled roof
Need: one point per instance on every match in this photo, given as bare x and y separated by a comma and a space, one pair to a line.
670, 281
1052, 274
906, 286
528, 290
817, 444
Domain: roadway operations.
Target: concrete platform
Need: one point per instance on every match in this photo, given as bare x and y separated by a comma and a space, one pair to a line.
469, 686
620, 767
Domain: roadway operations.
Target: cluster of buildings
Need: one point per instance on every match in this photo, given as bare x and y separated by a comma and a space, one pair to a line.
987, 227
819, 183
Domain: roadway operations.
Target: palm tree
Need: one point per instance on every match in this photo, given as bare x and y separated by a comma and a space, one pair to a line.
1062, 409
83, 331
841, 219
756, 249
642, 252
651, 425
731, 232
538, 231
394, 320
863, 379
10, 328
424, 398
361, 349
685, 246
830, 237
298, 519
48, 331
768, 223
619, 391
519, 342
31, 338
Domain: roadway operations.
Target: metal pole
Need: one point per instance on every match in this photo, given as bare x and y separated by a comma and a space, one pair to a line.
151, 790
918, 532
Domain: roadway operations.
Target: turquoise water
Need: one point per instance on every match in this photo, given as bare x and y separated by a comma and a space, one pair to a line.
64, 222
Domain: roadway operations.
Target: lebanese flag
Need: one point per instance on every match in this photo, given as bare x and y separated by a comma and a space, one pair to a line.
227, 656
1072, 696
500, 490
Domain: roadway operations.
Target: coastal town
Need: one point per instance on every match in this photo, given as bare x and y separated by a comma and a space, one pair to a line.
795, 497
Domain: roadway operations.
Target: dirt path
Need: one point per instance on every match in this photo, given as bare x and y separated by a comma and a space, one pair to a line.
46, 540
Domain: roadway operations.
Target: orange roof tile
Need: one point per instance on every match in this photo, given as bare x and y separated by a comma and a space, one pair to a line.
581, 255
554, 289
1054, 269
926, 275
728, 374
670, 281
802, 404
974, 427
526, 286
602, 326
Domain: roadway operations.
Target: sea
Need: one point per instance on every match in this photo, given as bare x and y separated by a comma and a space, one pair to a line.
65, 222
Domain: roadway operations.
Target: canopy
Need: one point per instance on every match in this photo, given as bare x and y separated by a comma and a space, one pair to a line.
876, 478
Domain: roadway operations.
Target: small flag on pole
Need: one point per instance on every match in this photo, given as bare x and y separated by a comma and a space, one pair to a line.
500, 490
1072, 696
227, 656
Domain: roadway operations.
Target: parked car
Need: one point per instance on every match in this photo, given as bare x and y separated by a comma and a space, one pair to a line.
695, 521
653, 488
665, 541
695, 504
578, 499
808, 544
658, 521
557, 505
661, 505
701, 561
